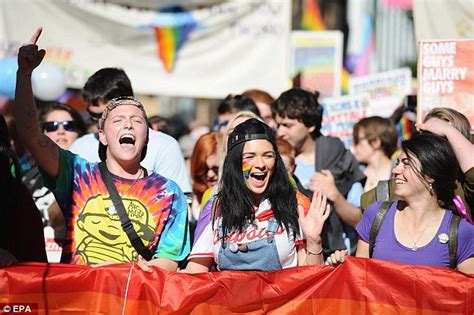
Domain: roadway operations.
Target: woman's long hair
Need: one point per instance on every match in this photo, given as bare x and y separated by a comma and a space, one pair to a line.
437, 161
235, 200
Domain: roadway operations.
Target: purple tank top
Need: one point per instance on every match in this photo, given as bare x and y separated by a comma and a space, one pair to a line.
435, 253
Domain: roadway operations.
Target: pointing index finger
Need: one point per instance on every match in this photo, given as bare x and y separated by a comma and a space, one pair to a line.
35, 36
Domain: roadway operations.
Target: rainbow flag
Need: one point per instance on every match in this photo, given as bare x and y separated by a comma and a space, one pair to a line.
170, 40
172, 27
405, 128
358, 286
361, 45
312, 19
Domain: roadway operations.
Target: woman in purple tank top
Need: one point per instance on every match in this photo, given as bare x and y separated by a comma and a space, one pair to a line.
415, 229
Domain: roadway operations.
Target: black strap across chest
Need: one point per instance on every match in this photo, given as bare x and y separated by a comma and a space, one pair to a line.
127, 225
452, 240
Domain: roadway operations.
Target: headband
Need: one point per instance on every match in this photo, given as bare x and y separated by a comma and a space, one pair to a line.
240, 138
113, 103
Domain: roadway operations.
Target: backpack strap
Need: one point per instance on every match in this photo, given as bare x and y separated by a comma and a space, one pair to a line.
453, 240
376, 224
382, 190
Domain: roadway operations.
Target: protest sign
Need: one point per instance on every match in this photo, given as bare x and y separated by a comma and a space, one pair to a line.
317, 58
446, 77
341, 114
386, 89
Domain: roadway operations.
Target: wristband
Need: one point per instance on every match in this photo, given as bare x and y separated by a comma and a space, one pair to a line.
315, 254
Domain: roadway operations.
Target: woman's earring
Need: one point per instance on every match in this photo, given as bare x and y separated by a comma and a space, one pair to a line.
431, 188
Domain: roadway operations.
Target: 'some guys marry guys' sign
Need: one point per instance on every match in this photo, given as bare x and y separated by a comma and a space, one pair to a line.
446, 78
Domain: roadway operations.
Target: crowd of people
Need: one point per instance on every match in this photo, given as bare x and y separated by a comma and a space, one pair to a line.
264, 190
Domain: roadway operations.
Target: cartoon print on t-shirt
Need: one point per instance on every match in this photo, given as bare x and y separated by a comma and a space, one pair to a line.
100, 235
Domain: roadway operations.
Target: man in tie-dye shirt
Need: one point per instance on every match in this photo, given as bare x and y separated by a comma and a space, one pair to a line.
154, 204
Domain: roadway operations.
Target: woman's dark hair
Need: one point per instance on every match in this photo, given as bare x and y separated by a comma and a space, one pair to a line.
9, 164
237, 103
301, 105
437, 161
235, 199
52, 106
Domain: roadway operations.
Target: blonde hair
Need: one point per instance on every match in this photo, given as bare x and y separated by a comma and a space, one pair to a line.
457, 119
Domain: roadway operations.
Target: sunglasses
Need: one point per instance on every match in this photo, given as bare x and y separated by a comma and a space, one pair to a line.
214, 169
94, 117
51, 126
220, 124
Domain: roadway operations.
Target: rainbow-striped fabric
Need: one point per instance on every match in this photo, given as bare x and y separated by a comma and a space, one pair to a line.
312, 19
172, 29
358, 286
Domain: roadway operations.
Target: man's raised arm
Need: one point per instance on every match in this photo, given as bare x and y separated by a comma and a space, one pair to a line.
44, 151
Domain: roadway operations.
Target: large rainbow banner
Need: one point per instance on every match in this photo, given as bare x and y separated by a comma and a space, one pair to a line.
359, 286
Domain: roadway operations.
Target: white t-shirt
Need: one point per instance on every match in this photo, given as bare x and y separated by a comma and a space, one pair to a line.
163, 156
208, 243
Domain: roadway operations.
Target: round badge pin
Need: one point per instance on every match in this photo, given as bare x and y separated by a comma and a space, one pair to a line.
243, 247
443, 238
233, 247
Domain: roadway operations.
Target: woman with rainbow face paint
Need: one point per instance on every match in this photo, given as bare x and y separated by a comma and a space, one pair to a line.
246, 169
257, 222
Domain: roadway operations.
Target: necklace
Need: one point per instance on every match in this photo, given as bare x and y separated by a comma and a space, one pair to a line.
414, 247
129, 187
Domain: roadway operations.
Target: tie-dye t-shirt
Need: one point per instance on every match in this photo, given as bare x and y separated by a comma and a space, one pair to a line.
155, 205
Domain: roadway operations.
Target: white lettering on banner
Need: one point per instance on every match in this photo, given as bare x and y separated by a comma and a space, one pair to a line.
439, 71
438, 61
448, 48
442, 74
438, 87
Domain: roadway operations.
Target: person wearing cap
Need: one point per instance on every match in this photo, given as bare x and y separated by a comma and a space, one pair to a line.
155, 205
257, 223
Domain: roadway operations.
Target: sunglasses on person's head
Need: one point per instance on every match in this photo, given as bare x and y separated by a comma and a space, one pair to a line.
68, 125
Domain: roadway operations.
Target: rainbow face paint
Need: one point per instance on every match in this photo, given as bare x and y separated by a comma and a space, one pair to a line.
246, 169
